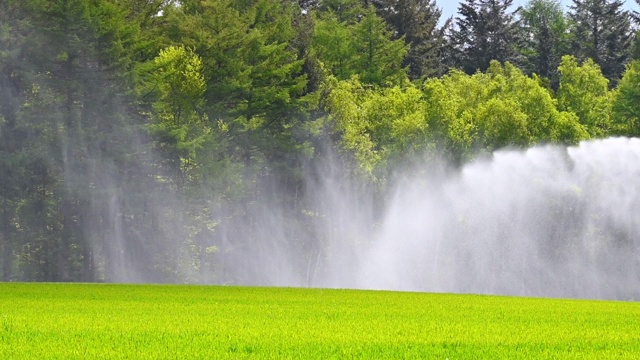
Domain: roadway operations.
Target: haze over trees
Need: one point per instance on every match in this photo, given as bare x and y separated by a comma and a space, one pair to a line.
120, 119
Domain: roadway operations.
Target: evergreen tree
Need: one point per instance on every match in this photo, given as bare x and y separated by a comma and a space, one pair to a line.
347, 11
14, 31
546, 38
602, 31
81, 63
67, 120
378, 58
333, 46
484, 30
418, 22
254, 79
635, 46
364, 48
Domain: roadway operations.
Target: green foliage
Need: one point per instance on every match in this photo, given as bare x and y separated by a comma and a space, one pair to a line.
459, 114
485, 30
344, 11
548, 40
333, 45
378, 57
378, 123
418, 22
254, 76
63, 75
193, 322
364, 48
247, 60
601, 31
344, 103
584, 91
499, 108
177, 85
626, 106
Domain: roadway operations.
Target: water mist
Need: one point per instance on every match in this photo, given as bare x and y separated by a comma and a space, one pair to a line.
549, 221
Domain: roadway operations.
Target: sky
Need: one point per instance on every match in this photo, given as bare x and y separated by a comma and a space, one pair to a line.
450, 7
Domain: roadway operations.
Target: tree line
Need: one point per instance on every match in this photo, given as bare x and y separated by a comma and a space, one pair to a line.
122, 118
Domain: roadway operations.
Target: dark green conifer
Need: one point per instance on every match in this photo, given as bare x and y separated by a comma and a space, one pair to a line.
602, 31
546, 28
418, 21
484, 30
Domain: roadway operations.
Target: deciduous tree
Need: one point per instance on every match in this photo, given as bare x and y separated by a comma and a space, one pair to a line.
584, 91
626, 106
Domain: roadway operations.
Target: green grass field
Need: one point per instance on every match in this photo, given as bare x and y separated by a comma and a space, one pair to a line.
98, 321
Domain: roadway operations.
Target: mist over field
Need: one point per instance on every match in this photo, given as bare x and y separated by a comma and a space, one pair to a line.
549, 221
344, 144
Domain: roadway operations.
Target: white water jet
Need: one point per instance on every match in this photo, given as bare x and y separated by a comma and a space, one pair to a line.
548, 221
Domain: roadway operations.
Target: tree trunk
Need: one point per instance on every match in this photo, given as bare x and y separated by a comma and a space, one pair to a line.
67, 235
5, 243
88, 265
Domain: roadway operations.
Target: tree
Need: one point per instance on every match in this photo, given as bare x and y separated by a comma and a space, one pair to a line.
76, 137
254, 77
256, 109
459, 115
176, 82
82, 65
378, 58
584, 91
602, 31
626, 106
333, 46
378, 124
364, 48
484, 30
14, 31
546, 38
345, 11
501, 107
417, 21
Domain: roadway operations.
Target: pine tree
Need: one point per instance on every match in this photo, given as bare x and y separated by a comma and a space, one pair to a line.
66, 107
485, 30
14, 31
546, 29
602, 31
347, 11
418, 22
378, 58
360, 45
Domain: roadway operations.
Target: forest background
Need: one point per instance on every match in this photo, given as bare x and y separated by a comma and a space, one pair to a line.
145, 140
